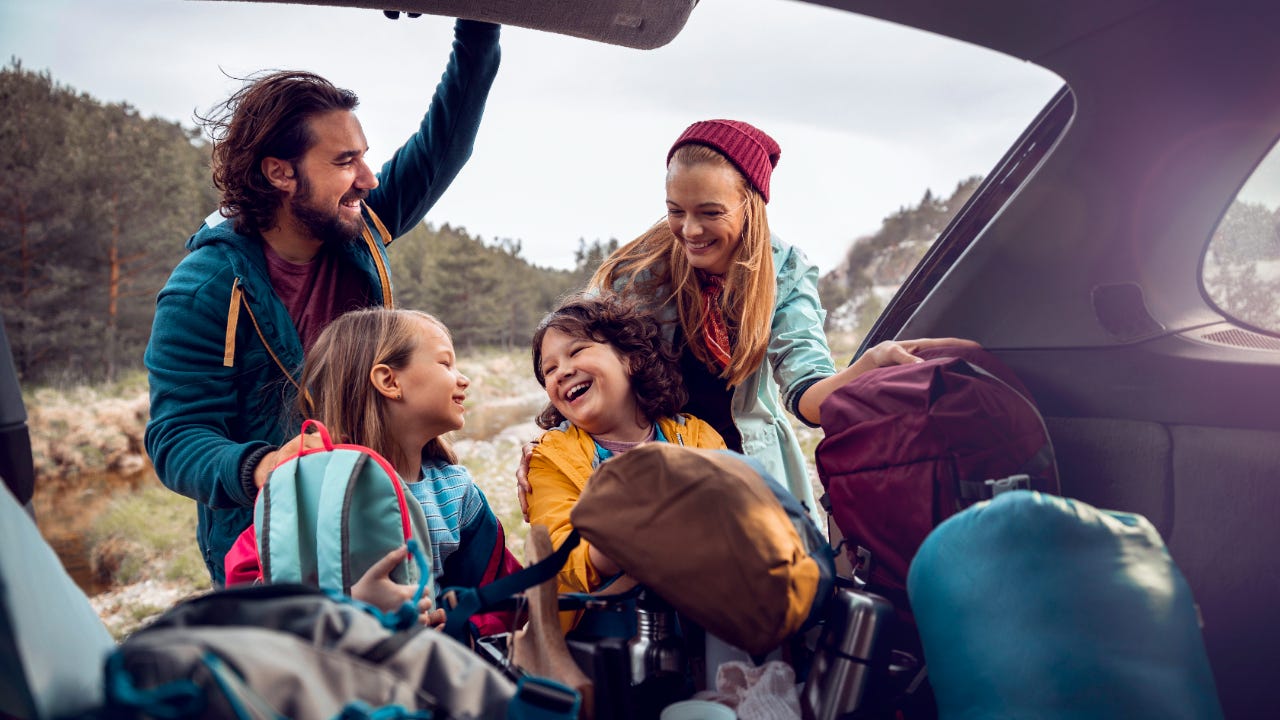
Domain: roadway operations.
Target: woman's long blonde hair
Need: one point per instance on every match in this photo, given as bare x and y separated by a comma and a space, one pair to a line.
340, 392
656, 262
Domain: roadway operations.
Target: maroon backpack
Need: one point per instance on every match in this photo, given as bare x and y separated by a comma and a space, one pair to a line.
908, 446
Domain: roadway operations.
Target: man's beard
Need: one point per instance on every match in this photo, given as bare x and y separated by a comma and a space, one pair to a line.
327, 227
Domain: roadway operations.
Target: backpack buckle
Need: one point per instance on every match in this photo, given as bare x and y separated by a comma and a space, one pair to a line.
862, 566
1013, 482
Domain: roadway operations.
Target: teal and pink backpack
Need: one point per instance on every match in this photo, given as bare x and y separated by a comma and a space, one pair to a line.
325, 516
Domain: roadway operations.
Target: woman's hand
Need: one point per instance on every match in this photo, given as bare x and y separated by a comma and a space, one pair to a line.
523, 488
885, 354
378, 589
902, 352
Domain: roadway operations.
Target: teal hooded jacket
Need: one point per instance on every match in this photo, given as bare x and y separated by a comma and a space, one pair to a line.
797, 357
224, 354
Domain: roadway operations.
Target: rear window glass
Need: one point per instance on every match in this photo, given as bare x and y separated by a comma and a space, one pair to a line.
1242, 265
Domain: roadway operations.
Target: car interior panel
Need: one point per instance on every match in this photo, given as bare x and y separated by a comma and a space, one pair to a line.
1193, 444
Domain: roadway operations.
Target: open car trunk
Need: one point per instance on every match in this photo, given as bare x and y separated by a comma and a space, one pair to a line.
1079, 263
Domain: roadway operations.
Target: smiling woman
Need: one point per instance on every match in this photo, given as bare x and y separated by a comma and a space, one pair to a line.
738, 305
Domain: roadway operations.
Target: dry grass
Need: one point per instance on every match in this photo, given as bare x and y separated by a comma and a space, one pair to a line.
88, 429
147, 535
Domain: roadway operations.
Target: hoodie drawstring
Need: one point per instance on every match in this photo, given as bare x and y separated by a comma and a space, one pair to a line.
383, 276
233, 320
238, 300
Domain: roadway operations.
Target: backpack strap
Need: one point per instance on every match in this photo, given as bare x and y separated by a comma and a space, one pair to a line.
462, 603
539, 698
1043, 464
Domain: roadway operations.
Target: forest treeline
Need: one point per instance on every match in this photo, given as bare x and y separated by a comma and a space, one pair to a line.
878, 263
484, 292
96, 204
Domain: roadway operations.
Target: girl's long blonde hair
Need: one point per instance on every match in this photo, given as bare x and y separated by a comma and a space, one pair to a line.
340, 393
656, 262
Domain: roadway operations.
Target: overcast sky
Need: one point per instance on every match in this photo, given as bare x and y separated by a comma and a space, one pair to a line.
575, 136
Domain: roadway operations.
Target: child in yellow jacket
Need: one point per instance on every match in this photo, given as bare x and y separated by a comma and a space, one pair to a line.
613, 384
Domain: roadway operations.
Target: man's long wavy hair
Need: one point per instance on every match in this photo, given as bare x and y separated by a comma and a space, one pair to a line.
634, 335
268, 117
342, 396
654, 267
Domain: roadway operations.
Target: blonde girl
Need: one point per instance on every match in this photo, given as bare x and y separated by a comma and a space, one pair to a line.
389, 380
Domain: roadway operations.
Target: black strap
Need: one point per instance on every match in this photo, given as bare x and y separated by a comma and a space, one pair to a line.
1045, 459
1041, 465
601, 598
463, 603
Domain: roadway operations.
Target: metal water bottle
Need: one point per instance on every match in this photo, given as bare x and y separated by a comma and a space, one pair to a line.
852, 659
655, 651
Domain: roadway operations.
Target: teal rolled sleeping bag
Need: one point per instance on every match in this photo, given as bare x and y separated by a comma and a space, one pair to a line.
1032, 605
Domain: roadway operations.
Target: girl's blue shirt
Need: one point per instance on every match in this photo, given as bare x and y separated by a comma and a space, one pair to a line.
451, 502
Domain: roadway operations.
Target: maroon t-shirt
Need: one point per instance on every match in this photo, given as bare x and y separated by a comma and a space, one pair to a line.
316, 292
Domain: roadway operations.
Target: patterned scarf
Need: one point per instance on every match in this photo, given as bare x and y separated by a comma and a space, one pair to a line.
715, 333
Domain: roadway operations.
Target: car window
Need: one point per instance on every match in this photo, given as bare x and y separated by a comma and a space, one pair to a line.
1241, 269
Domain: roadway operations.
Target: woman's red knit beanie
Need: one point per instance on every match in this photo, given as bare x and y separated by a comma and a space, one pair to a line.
746, 146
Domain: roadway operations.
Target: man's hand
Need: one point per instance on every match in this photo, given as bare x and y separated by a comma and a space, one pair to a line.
275, 457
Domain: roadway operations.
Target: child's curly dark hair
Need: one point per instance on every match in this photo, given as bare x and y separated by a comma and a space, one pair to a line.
634, 334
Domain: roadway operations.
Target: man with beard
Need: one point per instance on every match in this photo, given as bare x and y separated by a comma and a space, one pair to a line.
300, 238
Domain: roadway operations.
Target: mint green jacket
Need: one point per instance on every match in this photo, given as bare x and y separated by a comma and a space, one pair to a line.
798, 356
